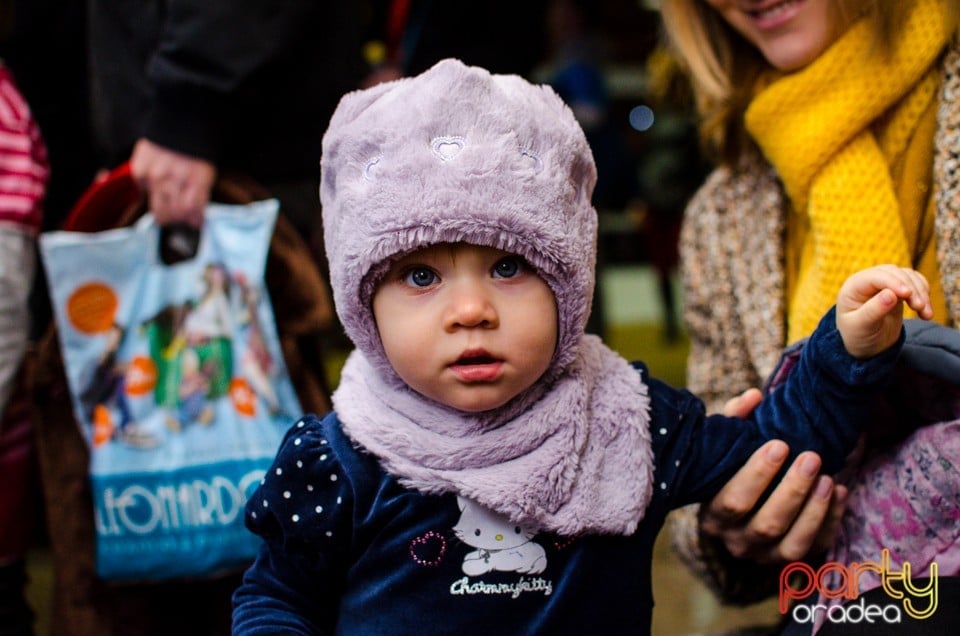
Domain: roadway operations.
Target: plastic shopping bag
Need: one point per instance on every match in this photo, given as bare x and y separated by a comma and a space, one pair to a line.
178, 384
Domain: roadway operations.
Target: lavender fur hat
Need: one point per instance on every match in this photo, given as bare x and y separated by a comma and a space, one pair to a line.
457, 154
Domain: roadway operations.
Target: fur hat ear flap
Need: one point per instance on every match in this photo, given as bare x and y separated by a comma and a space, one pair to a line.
457, 154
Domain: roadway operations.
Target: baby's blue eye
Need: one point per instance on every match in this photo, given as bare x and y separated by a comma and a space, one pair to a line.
508, 267
420, 277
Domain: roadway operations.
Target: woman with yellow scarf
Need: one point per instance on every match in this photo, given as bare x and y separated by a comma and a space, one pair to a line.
835, 125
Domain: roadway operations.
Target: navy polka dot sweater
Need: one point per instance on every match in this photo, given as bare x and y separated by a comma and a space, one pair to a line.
347, 549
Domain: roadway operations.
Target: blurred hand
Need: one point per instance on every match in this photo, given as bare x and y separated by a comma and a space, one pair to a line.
178, 186
800, 516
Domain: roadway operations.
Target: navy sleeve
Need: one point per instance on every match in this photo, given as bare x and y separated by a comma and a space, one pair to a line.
302, 511
823, 406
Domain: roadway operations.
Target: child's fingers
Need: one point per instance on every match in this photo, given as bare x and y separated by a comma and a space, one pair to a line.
900, 283
912, 287
918, 279
879, 305
903, 281
906, 284
865, 283
919, 298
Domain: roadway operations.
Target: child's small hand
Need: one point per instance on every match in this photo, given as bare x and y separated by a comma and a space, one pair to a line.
870, 307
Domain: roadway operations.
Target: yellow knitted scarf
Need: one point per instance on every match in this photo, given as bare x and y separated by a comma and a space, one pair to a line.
819, 128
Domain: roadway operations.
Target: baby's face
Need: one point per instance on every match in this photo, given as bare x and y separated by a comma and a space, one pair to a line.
468, 326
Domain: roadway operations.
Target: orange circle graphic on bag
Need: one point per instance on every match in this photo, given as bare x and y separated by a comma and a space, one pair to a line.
91, 307
243, 397
141, 377
102, 425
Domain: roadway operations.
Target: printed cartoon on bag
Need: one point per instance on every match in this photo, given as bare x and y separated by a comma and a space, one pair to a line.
179, 361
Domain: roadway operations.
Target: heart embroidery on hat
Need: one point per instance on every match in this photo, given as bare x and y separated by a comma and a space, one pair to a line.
533, 159
370, 166
446, 148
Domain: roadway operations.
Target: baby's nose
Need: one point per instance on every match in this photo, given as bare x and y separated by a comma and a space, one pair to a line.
471, 306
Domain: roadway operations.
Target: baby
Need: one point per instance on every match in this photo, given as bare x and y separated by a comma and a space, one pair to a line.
489, 468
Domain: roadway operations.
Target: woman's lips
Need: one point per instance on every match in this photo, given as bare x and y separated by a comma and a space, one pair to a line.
777, 14
476, 365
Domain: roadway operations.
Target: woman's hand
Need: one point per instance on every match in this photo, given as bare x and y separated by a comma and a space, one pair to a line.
800, 516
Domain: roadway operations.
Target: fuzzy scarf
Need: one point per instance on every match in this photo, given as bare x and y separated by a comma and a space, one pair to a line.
816, 127
574, 457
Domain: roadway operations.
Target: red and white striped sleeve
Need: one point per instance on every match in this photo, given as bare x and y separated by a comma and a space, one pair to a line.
24, 167
24, 170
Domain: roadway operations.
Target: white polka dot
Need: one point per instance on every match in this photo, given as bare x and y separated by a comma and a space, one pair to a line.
676, 463
299, 464
295, 518
333, 477
286, 494
266, 504
339, 500
323, 457
663, 431
279, 471
319, 509
263, 481
324, 442
254, 514
663, 485
297, 442
309, 487
300, 424
328, 533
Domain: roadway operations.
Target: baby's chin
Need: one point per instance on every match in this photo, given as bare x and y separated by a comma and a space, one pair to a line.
475, 406
474, 400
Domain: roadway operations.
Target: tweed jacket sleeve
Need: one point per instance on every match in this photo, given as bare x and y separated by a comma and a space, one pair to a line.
731, 248
947, 184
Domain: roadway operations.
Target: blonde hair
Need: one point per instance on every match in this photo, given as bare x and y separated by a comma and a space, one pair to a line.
724, 67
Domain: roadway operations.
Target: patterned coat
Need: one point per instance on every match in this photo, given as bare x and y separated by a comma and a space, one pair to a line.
732, 252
